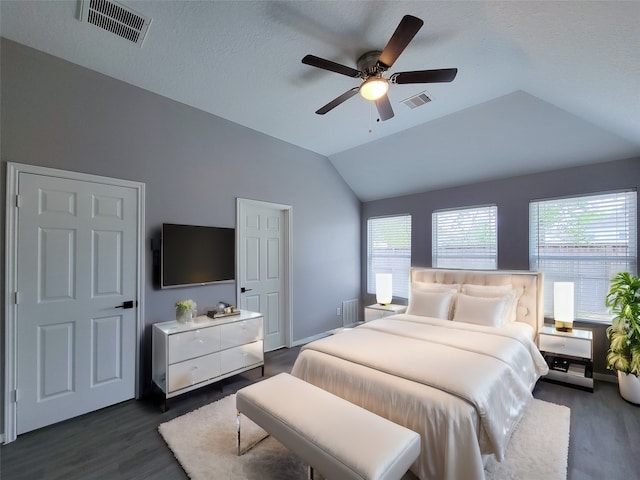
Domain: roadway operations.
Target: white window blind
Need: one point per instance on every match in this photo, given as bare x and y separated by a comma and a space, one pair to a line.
585, 240
465, 238
389, 251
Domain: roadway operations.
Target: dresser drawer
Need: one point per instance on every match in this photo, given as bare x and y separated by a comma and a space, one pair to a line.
239, 333
576, 347
241, 357
194, 343
190, 372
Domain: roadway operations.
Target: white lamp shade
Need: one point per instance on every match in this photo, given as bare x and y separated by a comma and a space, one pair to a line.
374, 88
384, 290
563, 301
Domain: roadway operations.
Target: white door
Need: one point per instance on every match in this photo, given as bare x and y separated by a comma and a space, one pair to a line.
263, 265
76, 268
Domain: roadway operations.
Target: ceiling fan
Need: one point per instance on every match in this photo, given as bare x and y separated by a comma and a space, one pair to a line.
372, 65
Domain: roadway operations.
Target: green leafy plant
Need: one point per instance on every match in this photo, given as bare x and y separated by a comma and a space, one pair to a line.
184, 306
624, 333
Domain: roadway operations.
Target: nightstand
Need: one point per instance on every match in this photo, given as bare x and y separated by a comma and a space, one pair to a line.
375, 311
569, 356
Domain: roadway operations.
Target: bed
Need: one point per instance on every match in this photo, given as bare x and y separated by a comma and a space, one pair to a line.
458, 368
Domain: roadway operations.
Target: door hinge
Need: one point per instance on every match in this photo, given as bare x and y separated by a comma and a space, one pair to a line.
14, 396
16, 298
18, 201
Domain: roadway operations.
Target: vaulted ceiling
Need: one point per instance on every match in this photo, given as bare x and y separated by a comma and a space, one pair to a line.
540, 85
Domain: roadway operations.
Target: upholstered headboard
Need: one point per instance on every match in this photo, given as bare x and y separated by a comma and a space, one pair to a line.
530, 307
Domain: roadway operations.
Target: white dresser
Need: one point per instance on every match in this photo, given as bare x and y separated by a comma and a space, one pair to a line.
190, 356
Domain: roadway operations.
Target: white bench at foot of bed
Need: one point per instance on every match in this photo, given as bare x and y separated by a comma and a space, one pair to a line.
333, 436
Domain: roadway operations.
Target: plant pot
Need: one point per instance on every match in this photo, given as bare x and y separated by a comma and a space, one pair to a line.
183, 316
629, 387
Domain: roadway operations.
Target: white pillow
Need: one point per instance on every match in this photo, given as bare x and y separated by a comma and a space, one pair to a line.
453, 288
488, 311
430, 304
496, 291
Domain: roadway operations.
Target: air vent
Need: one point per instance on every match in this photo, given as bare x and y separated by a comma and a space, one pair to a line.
116, 18
417, 100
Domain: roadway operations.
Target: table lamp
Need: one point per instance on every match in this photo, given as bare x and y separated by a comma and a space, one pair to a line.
384, 291
563, 306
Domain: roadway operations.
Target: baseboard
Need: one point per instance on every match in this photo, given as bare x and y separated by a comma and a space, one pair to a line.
603, 377
297, 343
303, 341
2, 438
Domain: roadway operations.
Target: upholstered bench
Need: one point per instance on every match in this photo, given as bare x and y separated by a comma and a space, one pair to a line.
333, 436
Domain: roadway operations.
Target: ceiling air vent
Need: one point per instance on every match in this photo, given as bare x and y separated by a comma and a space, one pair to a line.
417, 100
116, 18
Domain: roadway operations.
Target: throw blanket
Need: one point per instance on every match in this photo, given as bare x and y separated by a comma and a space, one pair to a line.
493, 372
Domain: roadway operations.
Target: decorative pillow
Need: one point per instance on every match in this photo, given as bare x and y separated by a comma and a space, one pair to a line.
488, 311
492, 291
453, 288
430, 304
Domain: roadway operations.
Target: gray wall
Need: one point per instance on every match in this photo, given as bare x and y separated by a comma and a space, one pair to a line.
194, 165
512, 196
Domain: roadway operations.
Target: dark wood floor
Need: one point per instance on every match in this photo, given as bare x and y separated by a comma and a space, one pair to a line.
122, 441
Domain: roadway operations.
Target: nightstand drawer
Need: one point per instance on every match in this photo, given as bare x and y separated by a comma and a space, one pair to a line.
371, 314
576, 347
376, 311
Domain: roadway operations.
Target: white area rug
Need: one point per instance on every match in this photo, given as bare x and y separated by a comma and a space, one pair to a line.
204, 442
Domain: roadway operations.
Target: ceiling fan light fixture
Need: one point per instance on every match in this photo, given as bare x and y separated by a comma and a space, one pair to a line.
374, 88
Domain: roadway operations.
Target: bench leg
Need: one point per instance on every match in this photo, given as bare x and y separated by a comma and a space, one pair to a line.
245, 450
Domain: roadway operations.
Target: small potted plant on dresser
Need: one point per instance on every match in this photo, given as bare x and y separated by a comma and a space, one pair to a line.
624, 334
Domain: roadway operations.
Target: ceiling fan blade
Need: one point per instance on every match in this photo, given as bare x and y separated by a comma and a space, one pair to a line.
331, 66
406, 30
425, 76
337, 101
384, 108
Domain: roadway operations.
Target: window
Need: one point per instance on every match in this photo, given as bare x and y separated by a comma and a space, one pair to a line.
389, 251
585, 240
465, 238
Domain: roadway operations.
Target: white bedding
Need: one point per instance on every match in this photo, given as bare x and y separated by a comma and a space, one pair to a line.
463, 387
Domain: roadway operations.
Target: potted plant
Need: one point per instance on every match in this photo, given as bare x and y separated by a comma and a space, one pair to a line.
624, 334
185, 310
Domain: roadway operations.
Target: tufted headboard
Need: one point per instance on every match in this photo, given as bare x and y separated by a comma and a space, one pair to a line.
530, 307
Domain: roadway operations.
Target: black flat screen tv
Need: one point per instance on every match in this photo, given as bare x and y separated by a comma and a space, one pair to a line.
196, 255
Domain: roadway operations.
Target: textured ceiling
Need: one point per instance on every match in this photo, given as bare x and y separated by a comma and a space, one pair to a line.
541, 85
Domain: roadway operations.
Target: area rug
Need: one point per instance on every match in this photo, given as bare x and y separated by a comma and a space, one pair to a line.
204, 442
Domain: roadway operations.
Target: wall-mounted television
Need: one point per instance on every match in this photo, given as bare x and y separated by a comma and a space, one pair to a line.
196, 255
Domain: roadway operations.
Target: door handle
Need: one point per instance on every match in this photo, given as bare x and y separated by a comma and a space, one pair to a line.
242, 290
127, 304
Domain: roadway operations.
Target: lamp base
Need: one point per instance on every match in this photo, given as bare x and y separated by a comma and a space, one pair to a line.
564, 326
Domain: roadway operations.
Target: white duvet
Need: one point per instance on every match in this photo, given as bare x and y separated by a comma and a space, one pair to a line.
463, 387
